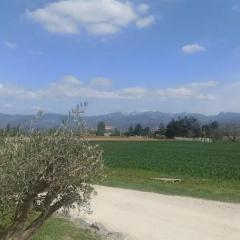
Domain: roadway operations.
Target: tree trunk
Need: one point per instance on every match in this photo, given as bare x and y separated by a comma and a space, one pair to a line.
26, 234
17, 230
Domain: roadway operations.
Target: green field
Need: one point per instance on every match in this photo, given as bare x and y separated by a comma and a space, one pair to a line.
207, 170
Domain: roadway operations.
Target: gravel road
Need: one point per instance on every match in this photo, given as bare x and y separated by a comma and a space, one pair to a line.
149, 216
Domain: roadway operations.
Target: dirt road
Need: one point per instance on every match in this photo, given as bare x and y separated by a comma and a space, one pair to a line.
149, 216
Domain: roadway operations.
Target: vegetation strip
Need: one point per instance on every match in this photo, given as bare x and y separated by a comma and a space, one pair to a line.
62, 229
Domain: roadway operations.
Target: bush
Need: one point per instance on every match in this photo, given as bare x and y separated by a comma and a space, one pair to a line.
40, 174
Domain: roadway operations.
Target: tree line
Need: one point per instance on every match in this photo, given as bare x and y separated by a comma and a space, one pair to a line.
188, 127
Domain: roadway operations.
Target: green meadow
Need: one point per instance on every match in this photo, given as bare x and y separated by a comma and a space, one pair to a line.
207, 170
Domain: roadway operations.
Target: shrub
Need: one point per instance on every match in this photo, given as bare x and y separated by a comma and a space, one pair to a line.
40, 174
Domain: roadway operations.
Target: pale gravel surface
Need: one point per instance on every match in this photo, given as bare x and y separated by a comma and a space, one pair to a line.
150, 216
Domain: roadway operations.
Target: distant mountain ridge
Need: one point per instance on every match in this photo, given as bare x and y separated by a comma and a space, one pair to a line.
118, 120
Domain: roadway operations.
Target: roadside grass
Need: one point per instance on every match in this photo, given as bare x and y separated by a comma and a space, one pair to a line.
62, 229
209, 171
227, 191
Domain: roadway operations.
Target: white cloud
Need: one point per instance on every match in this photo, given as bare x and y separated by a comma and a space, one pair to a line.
71, 87
145, 22
205, 97
16, 92
10, 45
208, 96
193, 48
101, 82
177, 93
103, 29
98, 17
197, 90
234, 85
70, 79
134, 92
207, 84
143, 8
8, 105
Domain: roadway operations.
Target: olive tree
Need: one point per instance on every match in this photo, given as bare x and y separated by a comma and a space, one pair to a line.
39, 174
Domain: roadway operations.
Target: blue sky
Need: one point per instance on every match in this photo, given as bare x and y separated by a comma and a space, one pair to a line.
157, 55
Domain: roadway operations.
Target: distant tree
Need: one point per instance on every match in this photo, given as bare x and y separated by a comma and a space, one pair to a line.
193, 127
231, 131
214, 130
129, 132
116, 132
138, 130
11, 130
206, 130
214, 125
15, 130
211, 130
8, 128
146, 132
183, 127
172, 129
101, 129
161, 131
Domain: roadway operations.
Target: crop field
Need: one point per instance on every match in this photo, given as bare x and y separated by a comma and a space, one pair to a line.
207, 170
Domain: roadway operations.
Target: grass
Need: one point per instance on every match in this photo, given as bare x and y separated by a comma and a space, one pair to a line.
210, 171
62, 229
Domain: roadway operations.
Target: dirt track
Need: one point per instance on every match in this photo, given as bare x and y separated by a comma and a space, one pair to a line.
149, 216
124, 139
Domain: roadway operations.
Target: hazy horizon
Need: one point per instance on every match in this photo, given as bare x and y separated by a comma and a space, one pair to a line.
123, 113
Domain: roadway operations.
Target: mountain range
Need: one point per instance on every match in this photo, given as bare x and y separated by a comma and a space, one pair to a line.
119, 120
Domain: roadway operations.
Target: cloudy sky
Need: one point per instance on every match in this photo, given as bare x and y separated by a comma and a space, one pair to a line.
135, 55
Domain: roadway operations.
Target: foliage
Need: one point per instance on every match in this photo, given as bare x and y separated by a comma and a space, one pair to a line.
211, 130
183, 127
161, 131
129, 133
101, 129
231, 131
138, 130
10, 130
40, 174
116, 133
